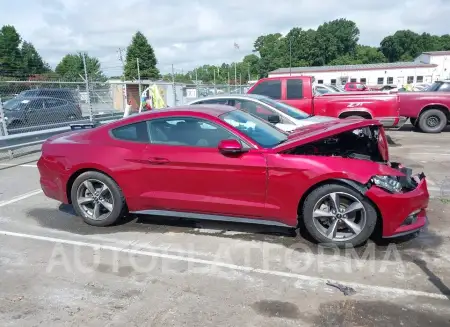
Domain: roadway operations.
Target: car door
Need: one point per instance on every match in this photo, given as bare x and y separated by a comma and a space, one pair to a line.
55, 110
35, 114
184, 171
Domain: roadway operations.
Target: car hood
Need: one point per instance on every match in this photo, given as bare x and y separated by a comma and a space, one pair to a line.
314, 120
314, 132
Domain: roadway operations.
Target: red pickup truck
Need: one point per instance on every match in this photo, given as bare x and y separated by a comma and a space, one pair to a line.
298, 92
428, 111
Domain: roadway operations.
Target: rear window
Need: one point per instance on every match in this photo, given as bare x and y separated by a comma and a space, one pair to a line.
136, 132
294, 89
271, 89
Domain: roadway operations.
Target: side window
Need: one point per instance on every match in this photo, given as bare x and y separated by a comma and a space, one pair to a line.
37, 105
294, 89
51, 103
254, 108
271, 89
136, 132
187, 132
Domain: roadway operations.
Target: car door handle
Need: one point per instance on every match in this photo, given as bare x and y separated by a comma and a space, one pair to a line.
158, 161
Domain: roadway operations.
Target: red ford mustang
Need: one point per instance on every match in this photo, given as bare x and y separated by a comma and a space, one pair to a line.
221, 163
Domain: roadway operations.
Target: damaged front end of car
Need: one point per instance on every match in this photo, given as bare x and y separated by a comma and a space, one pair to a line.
400, 197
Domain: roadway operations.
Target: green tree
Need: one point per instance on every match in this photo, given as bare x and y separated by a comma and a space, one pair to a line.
404, 45
10, 55
368, 55
335, 39
71, 68
32, 62
141, 49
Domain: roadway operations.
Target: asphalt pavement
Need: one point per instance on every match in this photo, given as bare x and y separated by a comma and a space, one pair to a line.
155, 271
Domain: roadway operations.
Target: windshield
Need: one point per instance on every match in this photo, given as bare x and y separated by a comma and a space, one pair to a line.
288, 110
335, 88
15, 104
257, 129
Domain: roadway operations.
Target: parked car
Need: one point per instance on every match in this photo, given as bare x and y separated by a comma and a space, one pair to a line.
324, 89
439, 86
282, 115
69, 95
355, 86
205, 162
23, 111
298, 92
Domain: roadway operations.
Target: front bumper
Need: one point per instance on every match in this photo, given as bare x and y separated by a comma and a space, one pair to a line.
402, 213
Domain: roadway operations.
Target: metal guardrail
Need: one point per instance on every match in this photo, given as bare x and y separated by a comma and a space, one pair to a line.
16, 141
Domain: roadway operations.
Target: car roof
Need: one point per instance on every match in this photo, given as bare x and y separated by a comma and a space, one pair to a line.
210, 109
233, 96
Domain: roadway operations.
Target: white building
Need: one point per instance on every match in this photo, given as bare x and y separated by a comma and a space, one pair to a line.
427, 68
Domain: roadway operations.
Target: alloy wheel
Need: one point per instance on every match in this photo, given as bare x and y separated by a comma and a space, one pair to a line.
339, 216
95, 199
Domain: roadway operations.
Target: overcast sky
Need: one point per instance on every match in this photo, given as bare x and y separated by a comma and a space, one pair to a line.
188, 33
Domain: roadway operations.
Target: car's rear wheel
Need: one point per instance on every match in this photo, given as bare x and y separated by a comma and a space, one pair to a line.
97, 199
338, 215
432, 121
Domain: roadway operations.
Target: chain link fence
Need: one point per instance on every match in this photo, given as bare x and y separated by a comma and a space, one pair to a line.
33, 106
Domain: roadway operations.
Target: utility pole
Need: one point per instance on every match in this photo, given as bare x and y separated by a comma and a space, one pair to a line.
214, 71
91, 114
139, 77
124, 87
290, 56
173, 87
249, 77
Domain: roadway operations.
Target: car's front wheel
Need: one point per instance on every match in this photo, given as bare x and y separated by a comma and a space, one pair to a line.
338, 215
97, 198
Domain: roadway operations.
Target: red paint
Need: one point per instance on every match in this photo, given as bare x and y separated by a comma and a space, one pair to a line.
258, 183
376, 105
413, 103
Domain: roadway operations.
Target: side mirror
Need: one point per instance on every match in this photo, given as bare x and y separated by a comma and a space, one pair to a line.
230, 147
274, 119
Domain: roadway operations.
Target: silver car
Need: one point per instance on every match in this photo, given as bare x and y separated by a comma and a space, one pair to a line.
284, 117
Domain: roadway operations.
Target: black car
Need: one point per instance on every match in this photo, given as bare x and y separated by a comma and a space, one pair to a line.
33, 111
59, 93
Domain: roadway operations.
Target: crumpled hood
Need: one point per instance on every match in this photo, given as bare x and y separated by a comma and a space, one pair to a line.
320, 130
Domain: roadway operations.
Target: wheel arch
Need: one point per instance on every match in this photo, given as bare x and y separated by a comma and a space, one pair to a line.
438, 106
356, 186
362, 113
77, 173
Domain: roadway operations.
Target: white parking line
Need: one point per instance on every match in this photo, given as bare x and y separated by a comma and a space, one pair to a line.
24, 165
20, 197
299, 277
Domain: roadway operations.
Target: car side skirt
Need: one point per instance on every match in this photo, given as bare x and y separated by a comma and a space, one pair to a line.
201, 216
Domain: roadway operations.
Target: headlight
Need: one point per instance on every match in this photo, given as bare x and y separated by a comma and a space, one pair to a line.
389, 183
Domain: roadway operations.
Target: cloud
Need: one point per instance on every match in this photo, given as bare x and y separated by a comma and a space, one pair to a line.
192, 33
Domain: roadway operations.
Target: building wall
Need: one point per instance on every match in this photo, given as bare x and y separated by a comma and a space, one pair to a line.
371, 77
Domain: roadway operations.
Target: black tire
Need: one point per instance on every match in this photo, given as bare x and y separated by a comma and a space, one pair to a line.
432, 121
119, 207
322, 191
413, 121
